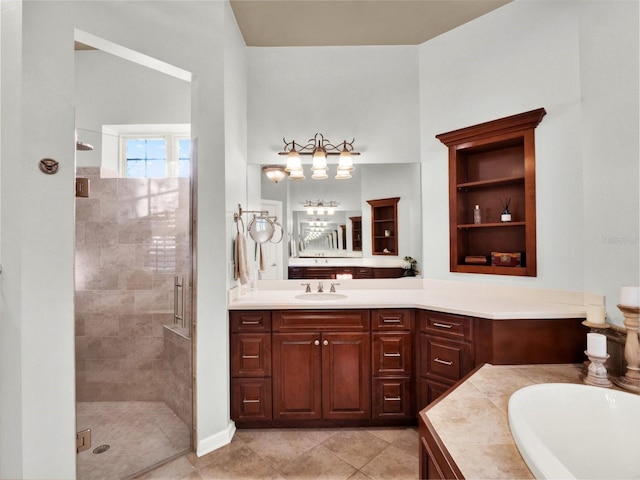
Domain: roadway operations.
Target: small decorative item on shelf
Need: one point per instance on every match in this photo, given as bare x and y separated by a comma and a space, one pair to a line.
410, 267
477, 216
506, 259
506, 214
476, 260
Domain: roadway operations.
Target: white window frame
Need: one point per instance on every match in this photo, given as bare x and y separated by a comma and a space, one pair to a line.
171, 133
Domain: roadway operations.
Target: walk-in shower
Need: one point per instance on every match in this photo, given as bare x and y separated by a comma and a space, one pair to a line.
133, 311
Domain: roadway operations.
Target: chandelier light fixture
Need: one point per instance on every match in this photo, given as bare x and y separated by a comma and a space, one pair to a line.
320, 148
320, 207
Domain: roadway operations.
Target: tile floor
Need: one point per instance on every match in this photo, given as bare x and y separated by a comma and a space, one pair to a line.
139, 434
288, 454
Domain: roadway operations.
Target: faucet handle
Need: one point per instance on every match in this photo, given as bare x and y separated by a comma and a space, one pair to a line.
308, 289
333, 287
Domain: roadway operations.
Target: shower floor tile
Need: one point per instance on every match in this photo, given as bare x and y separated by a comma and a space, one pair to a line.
140, 435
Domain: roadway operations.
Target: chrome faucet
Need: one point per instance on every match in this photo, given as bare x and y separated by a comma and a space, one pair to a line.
320, 287
308, 289
333, 287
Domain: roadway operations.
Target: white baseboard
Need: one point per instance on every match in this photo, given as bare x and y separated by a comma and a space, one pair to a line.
217, 440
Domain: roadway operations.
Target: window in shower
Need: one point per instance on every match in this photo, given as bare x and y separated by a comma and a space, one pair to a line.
155, 156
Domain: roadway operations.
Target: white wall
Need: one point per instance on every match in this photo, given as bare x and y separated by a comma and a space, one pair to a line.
366, 93
578, 60
112, 90
37, 331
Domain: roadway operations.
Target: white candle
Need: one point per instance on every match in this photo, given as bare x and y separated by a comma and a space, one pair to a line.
596, 345
595, 314
630, 296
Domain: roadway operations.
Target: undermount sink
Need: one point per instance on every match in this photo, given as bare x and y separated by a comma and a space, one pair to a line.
321, 296
576, 431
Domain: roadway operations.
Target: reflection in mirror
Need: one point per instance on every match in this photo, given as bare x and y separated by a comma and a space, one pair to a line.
325, 235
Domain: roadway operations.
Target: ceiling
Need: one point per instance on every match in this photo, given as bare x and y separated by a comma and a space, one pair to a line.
274, 23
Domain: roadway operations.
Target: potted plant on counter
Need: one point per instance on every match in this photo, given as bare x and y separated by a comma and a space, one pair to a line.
410, 267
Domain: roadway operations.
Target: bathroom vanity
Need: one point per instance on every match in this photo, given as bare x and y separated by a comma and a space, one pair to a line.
378, 356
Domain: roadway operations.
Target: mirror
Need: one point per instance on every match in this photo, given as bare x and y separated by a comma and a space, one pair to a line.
369, 181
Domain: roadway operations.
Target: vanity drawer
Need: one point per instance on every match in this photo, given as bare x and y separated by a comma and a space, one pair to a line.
250, 354
446, 325
321, 320
250, 321
392, 398
391, 319
446, 359
392, 353
251, 399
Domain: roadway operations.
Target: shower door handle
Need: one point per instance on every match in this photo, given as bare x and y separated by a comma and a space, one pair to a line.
178, 298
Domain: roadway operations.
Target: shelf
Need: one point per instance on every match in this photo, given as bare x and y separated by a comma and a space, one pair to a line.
384, 217
514, 271
488, 164
490, 225
491, 183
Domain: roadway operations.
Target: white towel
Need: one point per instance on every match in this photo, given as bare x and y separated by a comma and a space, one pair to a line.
241, 260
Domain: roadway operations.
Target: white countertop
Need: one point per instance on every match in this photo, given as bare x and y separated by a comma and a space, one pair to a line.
477, 300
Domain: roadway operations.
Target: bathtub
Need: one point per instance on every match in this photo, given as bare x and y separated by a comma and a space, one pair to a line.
567, 431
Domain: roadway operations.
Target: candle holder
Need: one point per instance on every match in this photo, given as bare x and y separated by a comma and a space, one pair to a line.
631, 379
597, 372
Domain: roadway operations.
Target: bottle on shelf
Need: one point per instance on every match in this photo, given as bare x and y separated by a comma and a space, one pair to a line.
477, 218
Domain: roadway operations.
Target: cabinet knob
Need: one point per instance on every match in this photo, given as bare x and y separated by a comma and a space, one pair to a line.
326, 342
317, 342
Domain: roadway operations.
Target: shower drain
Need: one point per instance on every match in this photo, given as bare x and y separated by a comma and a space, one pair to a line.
101, 449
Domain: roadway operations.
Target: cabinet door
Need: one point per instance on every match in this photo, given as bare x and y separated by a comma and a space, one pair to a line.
346, 376
297, 376
429, 390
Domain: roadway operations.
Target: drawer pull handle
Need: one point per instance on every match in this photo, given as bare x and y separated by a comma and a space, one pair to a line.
250, 322
325, 342
250, 401
391, 320
442, 325
316, 342
250, 356
392, 399
391, 354
443, 362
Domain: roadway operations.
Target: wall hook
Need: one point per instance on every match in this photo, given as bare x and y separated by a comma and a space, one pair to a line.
49, 166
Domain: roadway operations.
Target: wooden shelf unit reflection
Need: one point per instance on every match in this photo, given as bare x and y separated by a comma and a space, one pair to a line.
489, 163
384, 226
356, 233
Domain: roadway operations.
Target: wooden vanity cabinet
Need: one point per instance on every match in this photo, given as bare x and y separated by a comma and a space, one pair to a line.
446, 353
392, 363
321, 365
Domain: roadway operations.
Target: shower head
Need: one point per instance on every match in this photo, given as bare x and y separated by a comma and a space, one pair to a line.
83, 146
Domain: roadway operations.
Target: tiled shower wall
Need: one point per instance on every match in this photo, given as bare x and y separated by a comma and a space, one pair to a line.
132, 238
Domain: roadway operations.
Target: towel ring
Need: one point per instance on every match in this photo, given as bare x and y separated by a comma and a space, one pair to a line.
239, 219
276, 224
